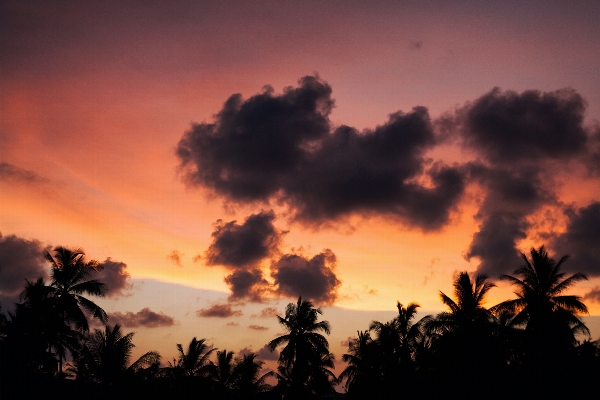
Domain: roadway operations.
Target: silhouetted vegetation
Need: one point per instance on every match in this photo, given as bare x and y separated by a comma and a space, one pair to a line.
521, 348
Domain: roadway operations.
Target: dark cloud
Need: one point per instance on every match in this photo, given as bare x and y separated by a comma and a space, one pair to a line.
114, 275
313, 279
283, 147
144, 317
12, 173
219, 311
20, 259
240, 246
175, 257
265, 354
593, 295
581, 240
249, 285
518, 137
269, 312
508, 127
510, 197
254, 144
244, 352
258, 327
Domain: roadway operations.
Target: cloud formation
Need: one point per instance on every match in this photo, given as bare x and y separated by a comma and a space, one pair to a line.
314, 279
258, 327
247, 284
12, 173
517, 137
242, 245
593, 295
175, 257
145, 317
114, 274
20, 259
269, 312
283, 147
581, 241
219, 311
265, 354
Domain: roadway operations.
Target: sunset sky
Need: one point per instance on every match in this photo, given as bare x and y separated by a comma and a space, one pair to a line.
219, 159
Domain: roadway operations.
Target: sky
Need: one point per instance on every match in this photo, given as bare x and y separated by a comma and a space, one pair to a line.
219, 159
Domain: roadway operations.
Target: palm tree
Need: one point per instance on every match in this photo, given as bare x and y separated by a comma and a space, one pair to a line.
70, 281
551, 318
224, 369
361, 373
305, 348
107, 353
467, 309
194, 361
246, 373
467, 335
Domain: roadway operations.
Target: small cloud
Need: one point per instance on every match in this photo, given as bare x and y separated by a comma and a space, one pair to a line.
197, 258
144, 317
12, 173
219, 311
115, 276
370, 291
416, 45
175, 256
593, 295
269, 312
347, 342
258, 327
268, 355
245, 351
233, 324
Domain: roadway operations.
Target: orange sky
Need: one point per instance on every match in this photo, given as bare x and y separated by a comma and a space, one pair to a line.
94, 101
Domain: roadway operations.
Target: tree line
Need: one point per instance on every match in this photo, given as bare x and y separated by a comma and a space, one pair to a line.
522, 347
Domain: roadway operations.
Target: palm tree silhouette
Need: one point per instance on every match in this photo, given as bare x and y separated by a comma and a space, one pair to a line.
361, 373
69, 282
551, 318
194, 361
467, 335
223, 372
246, 377
306, 351
107, 353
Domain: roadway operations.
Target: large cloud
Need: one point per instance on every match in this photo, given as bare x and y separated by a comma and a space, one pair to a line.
314, 279
240, 246
509, 127
20, 260
283, 147
114, 275
581, 240
145, 317
247, 284
518, 137
510, 196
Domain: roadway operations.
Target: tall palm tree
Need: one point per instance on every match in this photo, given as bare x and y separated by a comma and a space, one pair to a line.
224, 369
361, 372
551, 318
107, 353
467, 334
246, 377
305, 347
467, 309
194, 361
70, 280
